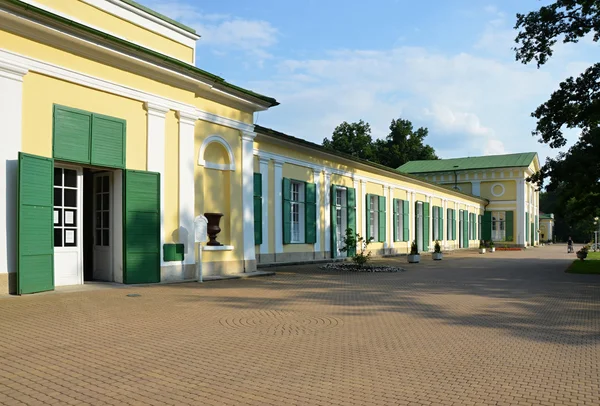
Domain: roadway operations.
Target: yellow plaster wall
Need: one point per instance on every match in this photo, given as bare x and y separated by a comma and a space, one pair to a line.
374, 189
221, 191
341, 180
256, 164
295, 172
400, 194
100, 19
216, 153
171, 198
436, 202
510, 190
70, 60
420, 197
465, 187
41, 92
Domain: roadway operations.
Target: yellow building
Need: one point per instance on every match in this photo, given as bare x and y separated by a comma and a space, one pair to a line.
113, 143
546, 227
512, 216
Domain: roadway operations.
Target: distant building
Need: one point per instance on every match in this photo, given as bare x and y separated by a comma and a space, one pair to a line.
546, 227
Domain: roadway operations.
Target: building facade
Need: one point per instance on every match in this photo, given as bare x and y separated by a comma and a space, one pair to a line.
546, 227
512, 216
114, 142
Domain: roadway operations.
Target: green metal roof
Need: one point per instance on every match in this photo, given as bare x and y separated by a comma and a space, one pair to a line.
158, 15
548, 216
477, 162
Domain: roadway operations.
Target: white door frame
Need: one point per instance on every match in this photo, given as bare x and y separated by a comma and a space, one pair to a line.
79, 227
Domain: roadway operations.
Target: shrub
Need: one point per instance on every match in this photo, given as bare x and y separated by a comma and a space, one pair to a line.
360, 258
437, 248
491, 244
414, 249
481, 244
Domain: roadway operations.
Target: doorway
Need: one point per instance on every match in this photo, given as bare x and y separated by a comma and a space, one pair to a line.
341, 224
419, 226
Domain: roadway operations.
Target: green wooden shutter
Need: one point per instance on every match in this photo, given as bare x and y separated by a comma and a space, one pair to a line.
333, 218
509, 226
394, 222
405, 220
486, 226
141, 227
310, 213
453, 224
382, 219
108, 141
441, 223
426, 233
258, 237
368, 218
71, 134
35, 224
287, 211
351, 215
465, 228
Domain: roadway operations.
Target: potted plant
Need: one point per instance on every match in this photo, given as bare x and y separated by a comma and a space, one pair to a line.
414, 257
582, 253
492, 248
481, 247
437, 251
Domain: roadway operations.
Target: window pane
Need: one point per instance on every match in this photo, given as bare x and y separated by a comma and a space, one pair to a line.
98, 202
98, 237
57, 177
70, 178
58, 237
98, 184
105, 203
70, 198
105, 184
70, 238
70, 218
57, 196
105, 220
105, 240
58, 217
98, 223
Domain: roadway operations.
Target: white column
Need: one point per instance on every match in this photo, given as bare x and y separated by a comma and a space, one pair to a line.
390, 210
363, 199
248, 196
278, 206
519, 236
429, 200
327, 207
476, 187
317, 181
264, 171
187, 165
11, 117
156, 158
444, 239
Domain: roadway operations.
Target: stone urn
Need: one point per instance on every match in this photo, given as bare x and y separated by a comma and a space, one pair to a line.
437, 256
414, 258
212, 228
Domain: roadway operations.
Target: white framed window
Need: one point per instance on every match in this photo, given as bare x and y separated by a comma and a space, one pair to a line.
297, 215
399, 220
498, 226
374, 217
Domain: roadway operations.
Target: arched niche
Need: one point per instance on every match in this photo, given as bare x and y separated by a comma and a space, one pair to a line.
216, 153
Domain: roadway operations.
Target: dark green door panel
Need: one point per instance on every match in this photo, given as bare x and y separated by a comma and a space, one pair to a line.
141, 227
509, 226
310, 215
71, 134
108, 141
35, 268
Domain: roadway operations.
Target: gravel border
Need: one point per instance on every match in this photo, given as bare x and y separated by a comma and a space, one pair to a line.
347, 267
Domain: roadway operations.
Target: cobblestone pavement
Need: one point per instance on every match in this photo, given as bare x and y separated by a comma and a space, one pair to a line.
508, 328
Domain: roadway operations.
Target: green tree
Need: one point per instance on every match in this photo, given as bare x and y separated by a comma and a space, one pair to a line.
403, 144
353, 139
575, 105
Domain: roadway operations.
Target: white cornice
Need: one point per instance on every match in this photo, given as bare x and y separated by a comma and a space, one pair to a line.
10, 70
224, 121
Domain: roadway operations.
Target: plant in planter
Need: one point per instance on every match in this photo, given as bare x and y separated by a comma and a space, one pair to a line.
492, 248
437, 251
414, 256
360, 258
582, 253
481, 247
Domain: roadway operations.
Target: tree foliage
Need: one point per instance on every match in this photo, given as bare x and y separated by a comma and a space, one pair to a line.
575, 105
402, 144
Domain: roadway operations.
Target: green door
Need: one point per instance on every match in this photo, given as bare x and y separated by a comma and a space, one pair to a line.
465, 229
35, 228
141, 227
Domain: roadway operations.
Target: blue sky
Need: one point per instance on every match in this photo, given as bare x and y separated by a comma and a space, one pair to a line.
446, 65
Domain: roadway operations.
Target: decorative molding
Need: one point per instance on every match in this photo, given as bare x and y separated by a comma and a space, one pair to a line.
501, 187
224, 121
187, 118
156, 110
210, 165
10, 70
218, 248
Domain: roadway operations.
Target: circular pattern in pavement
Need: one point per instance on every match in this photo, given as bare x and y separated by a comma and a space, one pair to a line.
280, 323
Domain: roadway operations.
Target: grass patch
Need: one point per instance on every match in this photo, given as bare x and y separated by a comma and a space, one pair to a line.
591, 265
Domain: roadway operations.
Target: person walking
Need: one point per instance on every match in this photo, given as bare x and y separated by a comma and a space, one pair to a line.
569, 245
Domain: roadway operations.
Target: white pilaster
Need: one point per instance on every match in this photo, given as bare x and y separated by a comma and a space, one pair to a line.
186, 185
520, 236
327, 207
429, 200
411, 215
317, 181
476, 187
264, 171
363, 199
248, 194
390, 216
278, 166
444, 239
156, 158
11, 117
